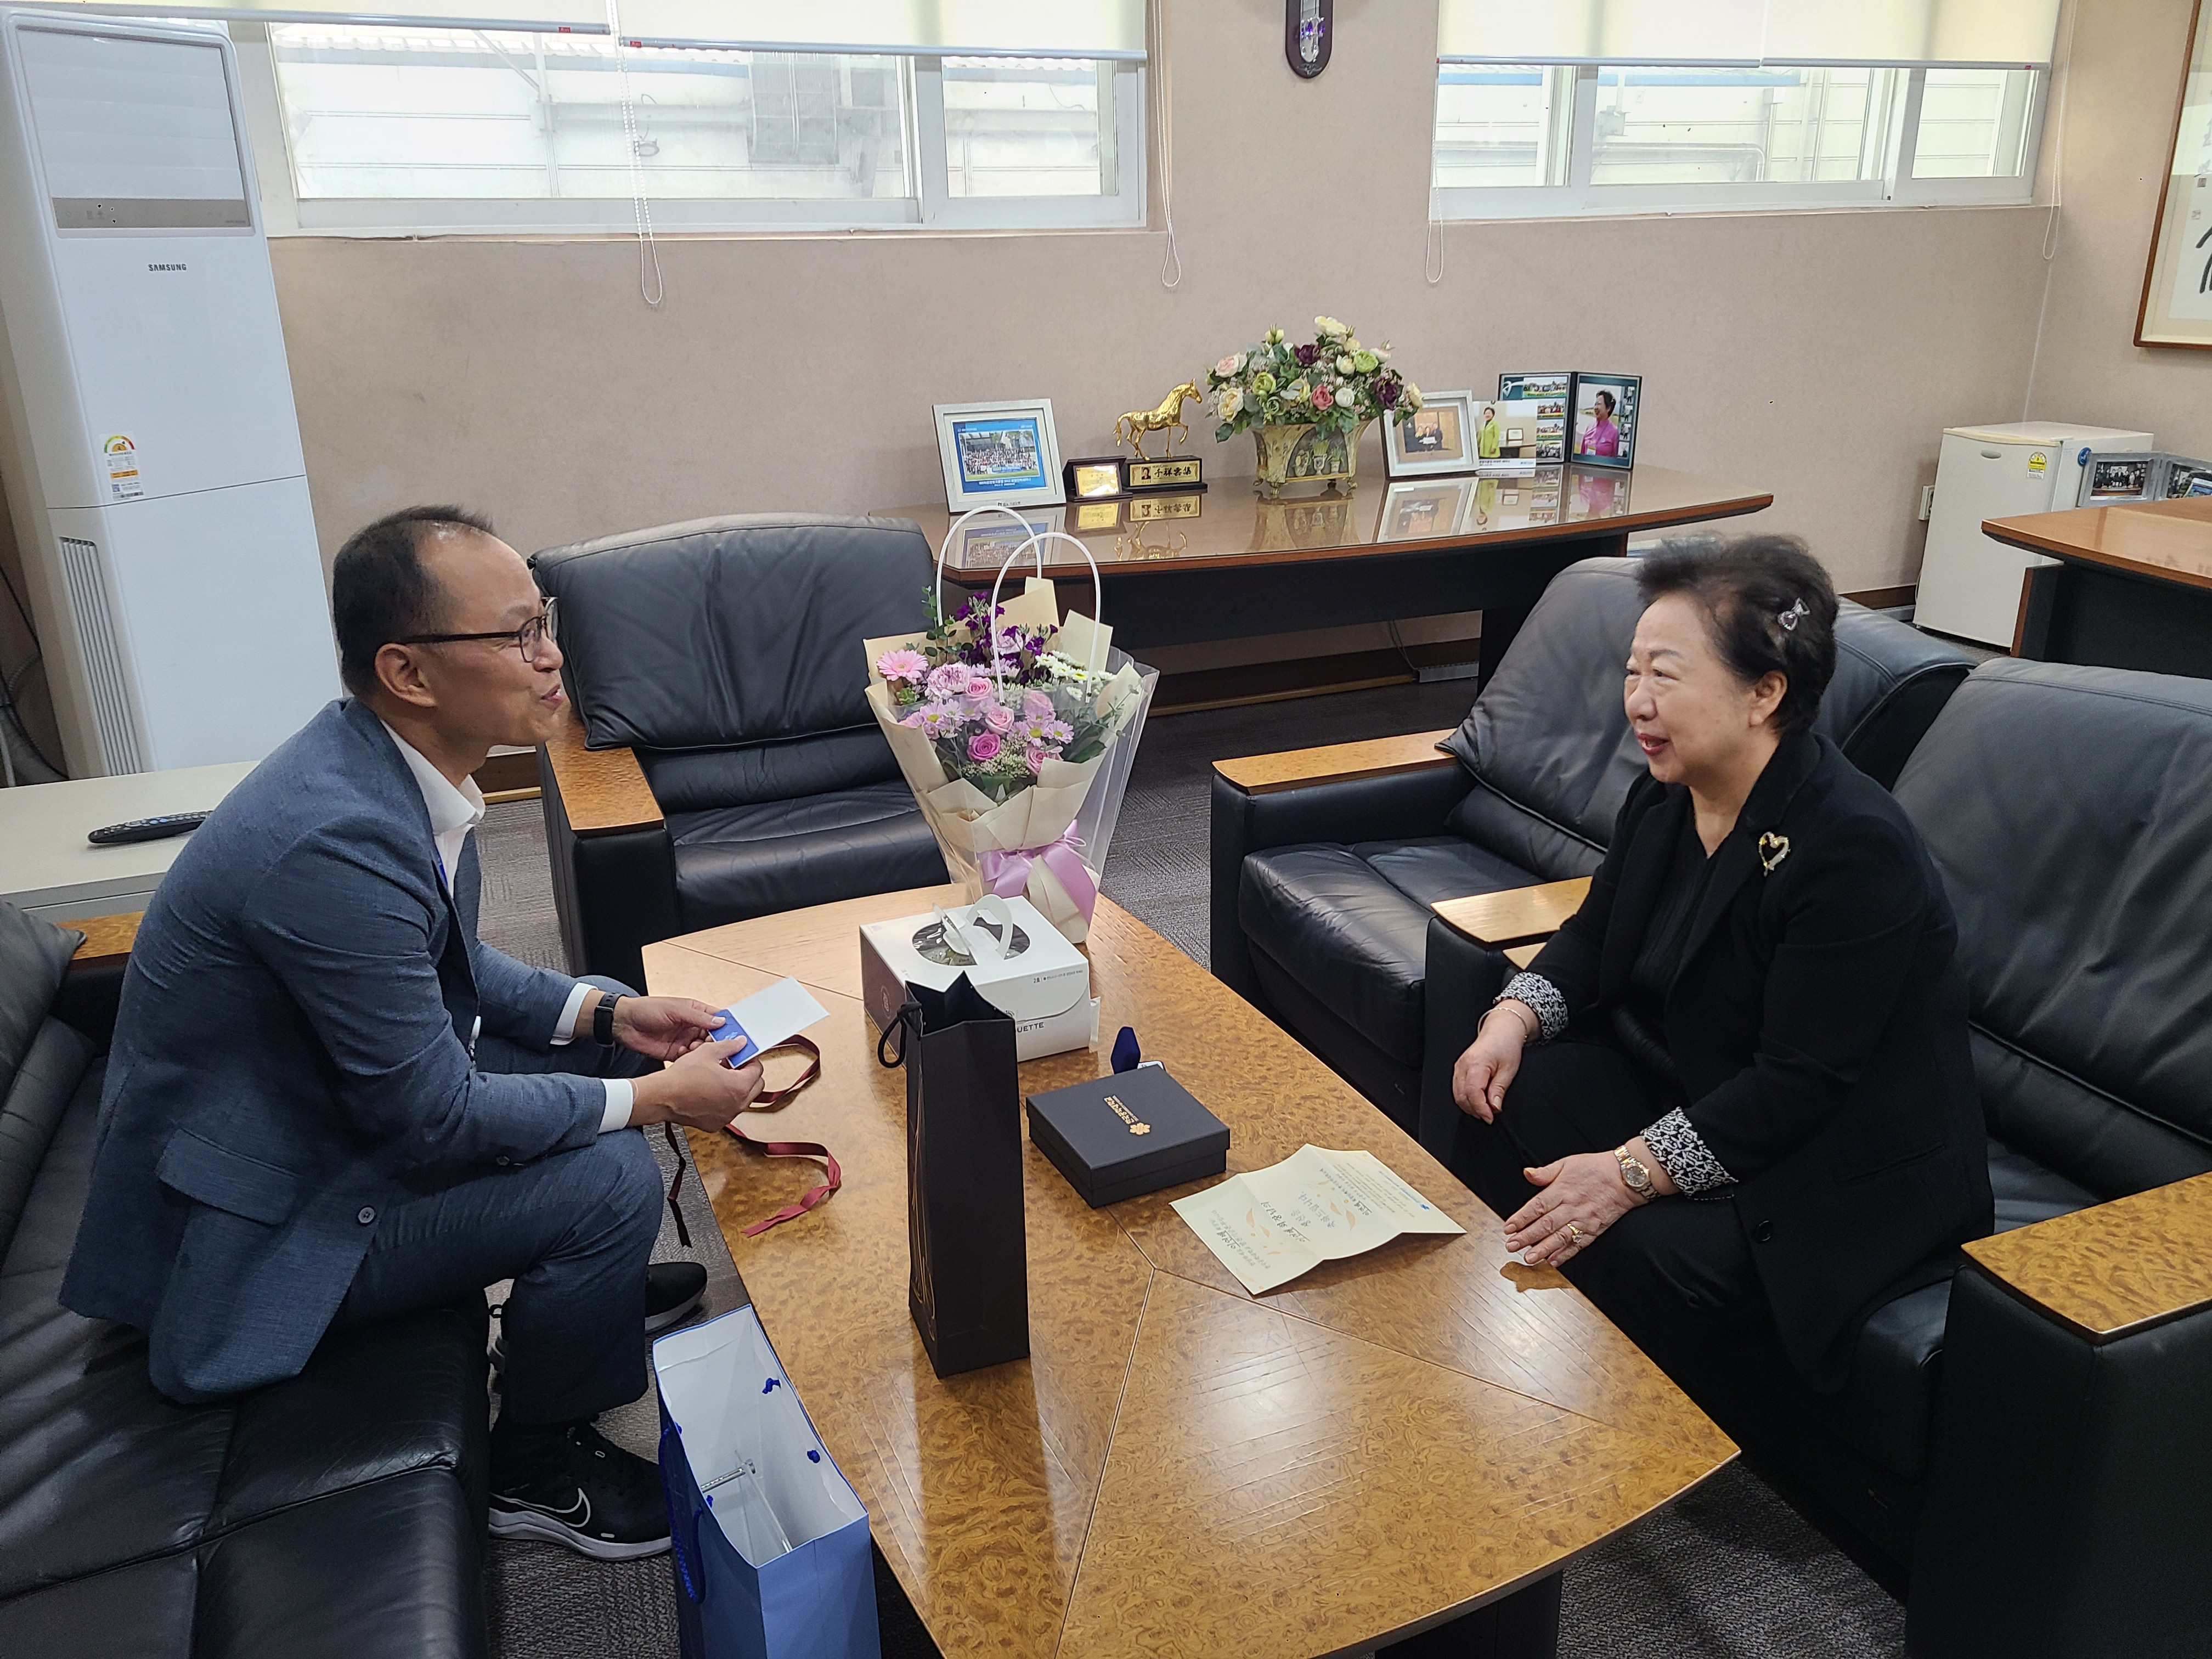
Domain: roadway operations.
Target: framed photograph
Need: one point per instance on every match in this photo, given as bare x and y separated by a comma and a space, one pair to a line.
1441, 436
1417, 508
1530, 413
999, 455
2177, 295
1602, 419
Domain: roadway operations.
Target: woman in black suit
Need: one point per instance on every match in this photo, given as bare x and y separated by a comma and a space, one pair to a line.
1732, 1098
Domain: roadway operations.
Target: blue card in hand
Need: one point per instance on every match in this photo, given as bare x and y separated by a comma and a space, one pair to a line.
729, 1028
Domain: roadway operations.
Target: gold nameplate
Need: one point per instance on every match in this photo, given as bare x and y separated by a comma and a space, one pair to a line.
1093, 480
1183, 473
1098, 516
1164, 507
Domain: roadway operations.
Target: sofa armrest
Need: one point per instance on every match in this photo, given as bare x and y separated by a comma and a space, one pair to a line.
603, 791
106, 939
2112, 1269
1394, 788
1337, 763
1516, 916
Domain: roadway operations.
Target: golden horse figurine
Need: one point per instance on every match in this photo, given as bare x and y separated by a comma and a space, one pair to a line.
1168, 417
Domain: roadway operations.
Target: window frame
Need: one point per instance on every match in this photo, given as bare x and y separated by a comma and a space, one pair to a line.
1578, 197
933, 208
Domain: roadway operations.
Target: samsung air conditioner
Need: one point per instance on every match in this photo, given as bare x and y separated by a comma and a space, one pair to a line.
150, 453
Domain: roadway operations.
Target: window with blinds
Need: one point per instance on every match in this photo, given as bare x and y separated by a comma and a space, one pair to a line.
1596, 107
551, 114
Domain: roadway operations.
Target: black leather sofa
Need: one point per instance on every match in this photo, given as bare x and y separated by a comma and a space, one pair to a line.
337, 1514
723, 763
2024, 1441
1323, 873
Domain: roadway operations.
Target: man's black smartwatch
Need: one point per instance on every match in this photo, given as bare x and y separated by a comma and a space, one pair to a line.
603, 1020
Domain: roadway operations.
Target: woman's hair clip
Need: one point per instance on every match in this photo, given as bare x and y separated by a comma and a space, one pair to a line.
1790, 618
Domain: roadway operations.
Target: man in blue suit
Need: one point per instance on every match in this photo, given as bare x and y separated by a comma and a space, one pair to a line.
330, 1103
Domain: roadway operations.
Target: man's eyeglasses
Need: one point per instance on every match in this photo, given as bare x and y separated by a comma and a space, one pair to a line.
528, 639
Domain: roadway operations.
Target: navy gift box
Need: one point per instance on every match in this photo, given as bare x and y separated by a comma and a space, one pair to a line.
1122, 1136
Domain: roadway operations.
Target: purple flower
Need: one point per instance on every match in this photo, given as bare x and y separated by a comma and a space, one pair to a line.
1386, 393
935, 719
949, 681
984, 747
1305, 354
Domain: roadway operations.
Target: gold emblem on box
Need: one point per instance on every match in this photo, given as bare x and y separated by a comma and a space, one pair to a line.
1137, 1127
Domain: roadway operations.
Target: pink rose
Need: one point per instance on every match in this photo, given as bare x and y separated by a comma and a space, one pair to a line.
1037, 756
999, 718
1323, 397
983, 747
980, 685
1035, 706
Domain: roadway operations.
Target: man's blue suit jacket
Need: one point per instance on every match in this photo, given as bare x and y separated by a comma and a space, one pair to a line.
293, 1057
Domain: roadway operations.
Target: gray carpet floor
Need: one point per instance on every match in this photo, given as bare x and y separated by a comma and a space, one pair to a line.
1727, 1572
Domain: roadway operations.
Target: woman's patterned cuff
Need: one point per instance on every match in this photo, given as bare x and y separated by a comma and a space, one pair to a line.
1540, 994
1678, 1148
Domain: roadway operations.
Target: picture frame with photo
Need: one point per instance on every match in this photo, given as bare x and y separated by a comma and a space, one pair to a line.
1602, 414
1440, 436
999, 455
988, 542
1528, 422
1413, 509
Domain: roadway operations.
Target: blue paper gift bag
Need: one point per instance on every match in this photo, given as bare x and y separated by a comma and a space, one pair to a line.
770, 1543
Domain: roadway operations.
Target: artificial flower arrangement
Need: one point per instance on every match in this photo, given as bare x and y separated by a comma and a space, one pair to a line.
1004, 747
1335, 383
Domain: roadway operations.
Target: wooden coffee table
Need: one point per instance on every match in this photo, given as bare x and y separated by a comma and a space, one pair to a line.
1179, 1467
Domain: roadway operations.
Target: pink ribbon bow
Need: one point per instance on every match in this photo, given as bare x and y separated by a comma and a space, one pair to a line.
1007, 873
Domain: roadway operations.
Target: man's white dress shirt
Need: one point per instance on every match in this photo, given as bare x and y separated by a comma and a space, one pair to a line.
453, 813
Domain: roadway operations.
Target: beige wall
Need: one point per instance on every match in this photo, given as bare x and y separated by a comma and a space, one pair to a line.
1814, 355
2126, 67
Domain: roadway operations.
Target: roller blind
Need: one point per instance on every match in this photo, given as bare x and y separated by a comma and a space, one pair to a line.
1912, 33
980, 29
1909, 33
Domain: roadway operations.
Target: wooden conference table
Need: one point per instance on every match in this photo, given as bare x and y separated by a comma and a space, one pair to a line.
1221, 565
1179, 1467
2132, 589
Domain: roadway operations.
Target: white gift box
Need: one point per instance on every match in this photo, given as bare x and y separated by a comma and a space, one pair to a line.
1043, 982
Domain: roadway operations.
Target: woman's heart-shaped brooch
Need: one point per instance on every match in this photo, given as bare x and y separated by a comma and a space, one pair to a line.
1773, 849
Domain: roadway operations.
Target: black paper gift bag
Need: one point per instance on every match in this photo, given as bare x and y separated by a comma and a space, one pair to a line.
969, 1285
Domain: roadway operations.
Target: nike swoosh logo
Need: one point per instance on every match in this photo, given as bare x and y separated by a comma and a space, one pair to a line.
578, 1514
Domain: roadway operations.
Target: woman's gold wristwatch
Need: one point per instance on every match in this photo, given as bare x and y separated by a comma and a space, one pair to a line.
1633, 1172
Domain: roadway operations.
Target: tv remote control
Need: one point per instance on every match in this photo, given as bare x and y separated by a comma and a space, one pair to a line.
169, 824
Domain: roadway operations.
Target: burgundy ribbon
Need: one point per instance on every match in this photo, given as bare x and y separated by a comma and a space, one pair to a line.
767, 1100
807, 1200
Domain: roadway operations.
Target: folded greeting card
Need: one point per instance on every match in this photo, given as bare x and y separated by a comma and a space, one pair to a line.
1270, 1225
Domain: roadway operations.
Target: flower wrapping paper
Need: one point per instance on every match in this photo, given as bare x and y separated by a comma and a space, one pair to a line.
969, 825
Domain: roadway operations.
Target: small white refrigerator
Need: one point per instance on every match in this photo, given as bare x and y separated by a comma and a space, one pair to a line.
1969, 582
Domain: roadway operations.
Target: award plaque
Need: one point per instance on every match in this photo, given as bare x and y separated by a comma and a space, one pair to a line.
1093, 477
1179, 472
1147, 508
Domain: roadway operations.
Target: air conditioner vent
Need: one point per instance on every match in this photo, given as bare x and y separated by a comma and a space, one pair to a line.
103, 657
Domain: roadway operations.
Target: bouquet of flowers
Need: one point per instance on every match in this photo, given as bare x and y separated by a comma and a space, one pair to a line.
1335, 383
1015, 730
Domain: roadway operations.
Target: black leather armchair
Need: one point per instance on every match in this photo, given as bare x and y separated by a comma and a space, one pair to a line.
1325, 863
335, 1514
2026, 1437
722, 762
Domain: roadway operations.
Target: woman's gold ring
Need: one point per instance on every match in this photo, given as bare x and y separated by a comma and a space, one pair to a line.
1574, 1233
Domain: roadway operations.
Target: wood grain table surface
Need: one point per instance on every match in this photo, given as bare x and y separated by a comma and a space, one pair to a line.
1229, 525
2168, 540
1179, 1467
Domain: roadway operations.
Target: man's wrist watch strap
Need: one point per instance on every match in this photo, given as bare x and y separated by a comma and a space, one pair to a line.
603, 1020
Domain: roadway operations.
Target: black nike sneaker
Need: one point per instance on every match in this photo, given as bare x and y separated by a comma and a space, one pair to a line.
673, 1291
568, 1484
